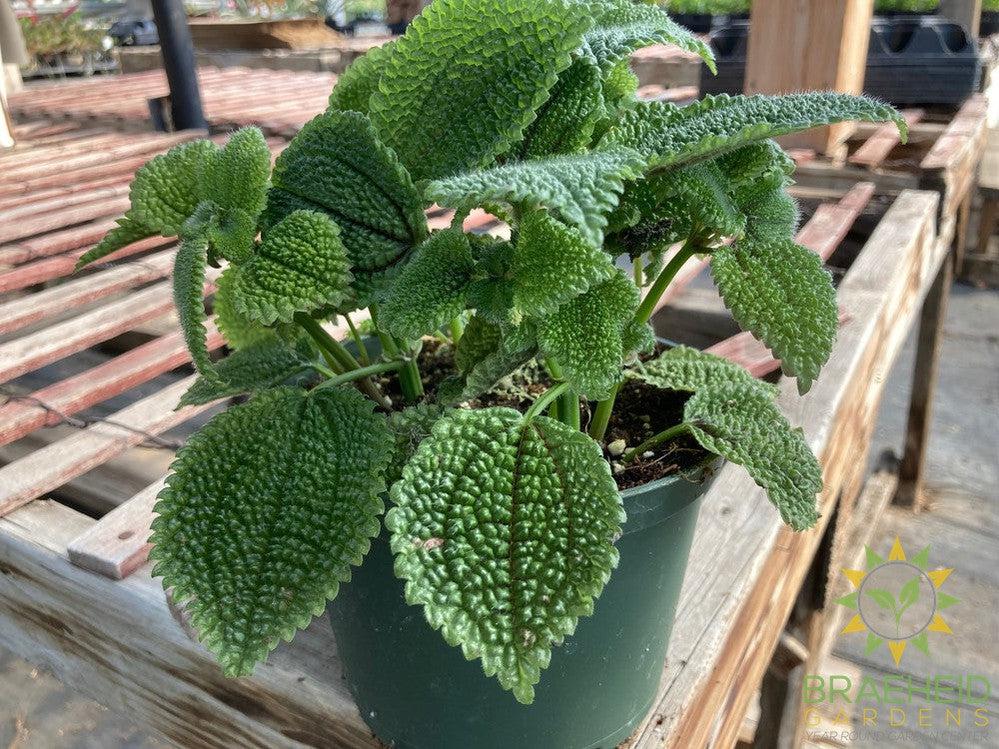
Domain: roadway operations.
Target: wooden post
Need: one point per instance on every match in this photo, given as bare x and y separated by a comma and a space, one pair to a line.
809, 45
924, 379
968, 13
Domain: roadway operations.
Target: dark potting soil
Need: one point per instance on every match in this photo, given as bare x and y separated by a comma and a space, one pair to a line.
640, 411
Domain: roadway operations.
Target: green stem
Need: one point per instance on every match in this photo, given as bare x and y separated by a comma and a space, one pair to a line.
358, 374
566, 408
656, 439
602, 414
636, 269
409, 376
362, 350
342, 357
648, 305
547, 397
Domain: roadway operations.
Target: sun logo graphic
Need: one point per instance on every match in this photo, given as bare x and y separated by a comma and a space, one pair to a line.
898, 601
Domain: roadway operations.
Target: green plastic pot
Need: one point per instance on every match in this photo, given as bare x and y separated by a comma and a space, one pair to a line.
417, 692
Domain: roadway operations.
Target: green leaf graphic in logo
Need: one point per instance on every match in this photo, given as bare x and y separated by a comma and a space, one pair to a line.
882, 598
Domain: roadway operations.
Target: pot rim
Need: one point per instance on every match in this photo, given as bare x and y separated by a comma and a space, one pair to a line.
658, 501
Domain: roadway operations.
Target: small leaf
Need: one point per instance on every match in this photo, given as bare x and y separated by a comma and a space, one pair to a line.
566, 122
300, 266
359, 81
467, 78
513, 348
584, 336
669, 135
781, 293
883, 598
125, 233
749, 163
430, 290
689, 370
267, 508
909, 593
258, 367
743, 425
235, 177
771, 213
239, 331
581, 189
165, 191
503, 531
337, 166
479, 339
623, 26
410, 427
189, 299
552, 264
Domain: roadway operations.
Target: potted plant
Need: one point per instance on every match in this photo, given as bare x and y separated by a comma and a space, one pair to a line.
539, 393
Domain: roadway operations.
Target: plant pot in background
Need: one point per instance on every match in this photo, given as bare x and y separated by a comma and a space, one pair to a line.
417, 692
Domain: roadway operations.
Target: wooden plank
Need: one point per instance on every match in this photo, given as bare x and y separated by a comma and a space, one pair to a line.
877, 147
18, 313
46, 469
50, 344
823, 47
118, 544
21, 416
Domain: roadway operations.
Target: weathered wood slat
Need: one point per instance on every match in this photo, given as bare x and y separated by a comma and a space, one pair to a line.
46, 469
21, 416
877, 147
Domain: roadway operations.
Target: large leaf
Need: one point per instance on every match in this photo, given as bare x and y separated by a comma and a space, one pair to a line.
688, 370
743, 425
552, 264
359, 81
669, 135
431, 289
503, 531
266, 509
780, 292
581, 188
584, 336
466, 79
336, 165
189, 299
566, 122
258, 367
300, 266
238, 330
622, 26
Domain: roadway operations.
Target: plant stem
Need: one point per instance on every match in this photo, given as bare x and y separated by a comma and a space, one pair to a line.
341, 357
409, 376
456, 330
663, 436
648, 305
362, 350
358, 374
602, 414
547, 397
636, 269
566, 408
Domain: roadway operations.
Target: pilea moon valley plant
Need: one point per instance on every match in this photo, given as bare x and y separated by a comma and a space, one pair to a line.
502, 521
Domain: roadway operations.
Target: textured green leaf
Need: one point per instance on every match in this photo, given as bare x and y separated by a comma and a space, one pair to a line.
743, 425
669, 135
486, 354
581, 188
235, 177
258, 367
466, 79
620, 87
623, 26
239, 331
503, 530
781, 294
266, 509
359, 81
552, 264
566, 122
300, 266
480, 338
165, 191
126, 232
688, 370
749, 163
188, 297
584, 336
337, 166
409, 428
771, 213
638, 338
430, 290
